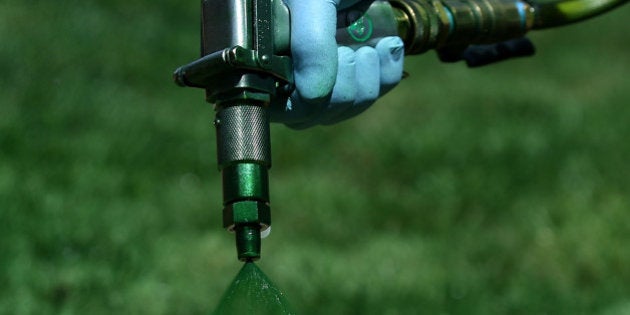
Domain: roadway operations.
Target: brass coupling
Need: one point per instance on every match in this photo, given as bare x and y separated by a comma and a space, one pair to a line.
488, 21
422, 25
429, 24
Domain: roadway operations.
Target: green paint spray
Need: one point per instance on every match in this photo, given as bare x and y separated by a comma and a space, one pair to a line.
251, 292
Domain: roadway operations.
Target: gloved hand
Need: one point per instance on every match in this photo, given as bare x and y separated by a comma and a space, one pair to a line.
334, 83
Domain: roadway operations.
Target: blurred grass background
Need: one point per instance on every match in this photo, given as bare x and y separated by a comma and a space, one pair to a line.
499, 190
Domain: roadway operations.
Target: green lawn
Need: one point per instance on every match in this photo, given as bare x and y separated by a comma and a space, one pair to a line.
499, 190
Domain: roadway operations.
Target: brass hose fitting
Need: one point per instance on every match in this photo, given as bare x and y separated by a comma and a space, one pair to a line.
422, 25
425, 25
487, 21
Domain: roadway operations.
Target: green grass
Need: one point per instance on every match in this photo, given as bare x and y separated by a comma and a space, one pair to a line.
499, 190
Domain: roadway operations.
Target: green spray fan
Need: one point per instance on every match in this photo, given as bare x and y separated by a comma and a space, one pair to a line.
251, 292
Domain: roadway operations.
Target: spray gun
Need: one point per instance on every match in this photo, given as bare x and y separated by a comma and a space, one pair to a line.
246, 66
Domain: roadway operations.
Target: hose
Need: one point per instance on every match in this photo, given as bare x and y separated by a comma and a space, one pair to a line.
552, 13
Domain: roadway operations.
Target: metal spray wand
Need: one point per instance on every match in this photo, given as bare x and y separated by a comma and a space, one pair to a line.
246, 66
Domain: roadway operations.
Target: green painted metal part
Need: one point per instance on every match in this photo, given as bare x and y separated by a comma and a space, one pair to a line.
245, 181
551, 13
246, 212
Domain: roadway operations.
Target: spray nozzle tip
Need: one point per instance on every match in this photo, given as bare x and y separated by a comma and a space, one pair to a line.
247, 242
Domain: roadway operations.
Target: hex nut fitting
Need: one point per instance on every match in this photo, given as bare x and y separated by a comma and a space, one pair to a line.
246, 212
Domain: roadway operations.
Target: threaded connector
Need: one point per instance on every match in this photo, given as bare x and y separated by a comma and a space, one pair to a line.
244, 156
429, 24
246, 212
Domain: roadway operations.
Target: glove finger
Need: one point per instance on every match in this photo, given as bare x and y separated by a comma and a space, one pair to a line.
345, 89
391, 51
367, 82
368, 79
295, 111
313, 46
